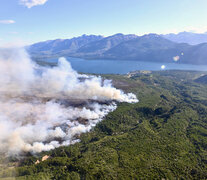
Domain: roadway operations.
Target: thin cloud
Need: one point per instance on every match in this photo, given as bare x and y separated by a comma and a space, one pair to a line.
31, 3
7, 21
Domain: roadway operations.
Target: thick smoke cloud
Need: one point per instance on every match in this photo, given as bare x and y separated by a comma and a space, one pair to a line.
44, 108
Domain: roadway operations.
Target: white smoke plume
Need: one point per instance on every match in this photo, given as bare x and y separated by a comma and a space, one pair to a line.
43, 108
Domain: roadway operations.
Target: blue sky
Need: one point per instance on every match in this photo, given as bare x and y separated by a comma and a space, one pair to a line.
27, 21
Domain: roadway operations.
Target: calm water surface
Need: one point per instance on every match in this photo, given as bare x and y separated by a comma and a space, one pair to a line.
123, 67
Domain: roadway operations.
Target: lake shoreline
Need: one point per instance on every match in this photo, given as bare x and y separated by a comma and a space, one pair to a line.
121, 66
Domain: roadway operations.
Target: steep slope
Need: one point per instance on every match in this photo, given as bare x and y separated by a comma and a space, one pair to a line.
196, 54
98, 47
61, 46
202, 79
150, 47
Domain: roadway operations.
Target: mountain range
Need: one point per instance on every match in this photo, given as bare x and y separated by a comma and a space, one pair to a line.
187, 37
150, 47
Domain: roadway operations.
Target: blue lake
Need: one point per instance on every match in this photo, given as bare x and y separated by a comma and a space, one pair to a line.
123, 67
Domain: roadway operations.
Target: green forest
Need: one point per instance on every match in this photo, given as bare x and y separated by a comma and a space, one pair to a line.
163, 136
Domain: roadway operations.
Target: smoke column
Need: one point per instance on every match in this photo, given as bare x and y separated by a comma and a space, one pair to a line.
43, 108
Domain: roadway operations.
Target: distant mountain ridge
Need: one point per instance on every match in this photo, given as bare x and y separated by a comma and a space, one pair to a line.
187, 37
61, 46
150, 47
105, 44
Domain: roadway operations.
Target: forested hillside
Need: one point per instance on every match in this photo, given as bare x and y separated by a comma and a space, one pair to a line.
164, 136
